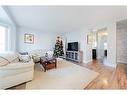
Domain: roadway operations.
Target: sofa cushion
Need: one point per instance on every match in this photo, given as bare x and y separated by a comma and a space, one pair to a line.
15, 60
9, 56
38, 52
3, 62
15, 68
18, 65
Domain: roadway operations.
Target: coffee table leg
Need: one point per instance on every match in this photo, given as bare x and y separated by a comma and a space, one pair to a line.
55, 63
44, 69
44, 66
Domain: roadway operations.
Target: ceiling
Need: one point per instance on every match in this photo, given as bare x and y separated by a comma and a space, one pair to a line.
4, 17
64, 18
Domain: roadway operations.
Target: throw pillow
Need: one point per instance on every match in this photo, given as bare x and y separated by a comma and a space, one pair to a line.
24, 58
50, 54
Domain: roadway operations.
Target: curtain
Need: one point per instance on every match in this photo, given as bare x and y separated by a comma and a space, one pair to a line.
3, 38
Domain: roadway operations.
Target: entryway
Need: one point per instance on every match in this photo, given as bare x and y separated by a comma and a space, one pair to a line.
99, 45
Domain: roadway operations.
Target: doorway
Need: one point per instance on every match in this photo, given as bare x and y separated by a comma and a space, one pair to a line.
99, 45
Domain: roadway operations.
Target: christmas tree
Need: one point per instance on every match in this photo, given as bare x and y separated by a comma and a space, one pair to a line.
58, 51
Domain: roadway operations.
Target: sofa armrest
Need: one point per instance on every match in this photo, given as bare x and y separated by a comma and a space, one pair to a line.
18, 65
31, 61
36, 58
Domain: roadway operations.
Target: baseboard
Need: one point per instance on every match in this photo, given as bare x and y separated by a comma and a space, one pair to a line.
122, 62
87, 61
111, 65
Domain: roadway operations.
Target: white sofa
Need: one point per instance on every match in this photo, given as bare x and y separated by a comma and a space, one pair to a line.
14, 72
36, 54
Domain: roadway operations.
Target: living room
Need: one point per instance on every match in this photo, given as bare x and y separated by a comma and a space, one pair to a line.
34, 30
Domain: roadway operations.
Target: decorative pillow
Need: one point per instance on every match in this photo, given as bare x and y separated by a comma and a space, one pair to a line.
50, 53
23, 53
24, 58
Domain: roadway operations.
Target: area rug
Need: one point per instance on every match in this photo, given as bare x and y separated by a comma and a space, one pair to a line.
67, 75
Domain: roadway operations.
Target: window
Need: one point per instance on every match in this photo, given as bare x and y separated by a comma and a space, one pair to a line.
2, 38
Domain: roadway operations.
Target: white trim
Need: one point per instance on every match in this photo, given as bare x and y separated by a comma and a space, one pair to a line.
4, 24
111, 65
87, 61
5, 8
122, 62
6, 36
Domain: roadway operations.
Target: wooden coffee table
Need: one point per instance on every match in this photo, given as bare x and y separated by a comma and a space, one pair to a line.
48, 63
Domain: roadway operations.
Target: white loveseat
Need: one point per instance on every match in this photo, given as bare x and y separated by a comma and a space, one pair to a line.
36, 54
14, 72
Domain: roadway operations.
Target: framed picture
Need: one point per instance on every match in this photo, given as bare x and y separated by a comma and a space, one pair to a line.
29, 38
89, 38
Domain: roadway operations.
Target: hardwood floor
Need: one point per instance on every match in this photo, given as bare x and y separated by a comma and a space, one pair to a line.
102, 81
119, 78
109, 78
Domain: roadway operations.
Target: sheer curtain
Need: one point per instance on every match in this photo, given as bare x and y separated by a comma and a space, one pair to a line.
3, 39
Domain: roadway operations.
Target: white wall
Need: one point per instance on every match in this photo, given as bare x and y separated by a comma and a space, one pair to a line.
111, 41
8, 22
81, 37
101, 39
42, 40
122, 45
46, 40
111, 44
75, 37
